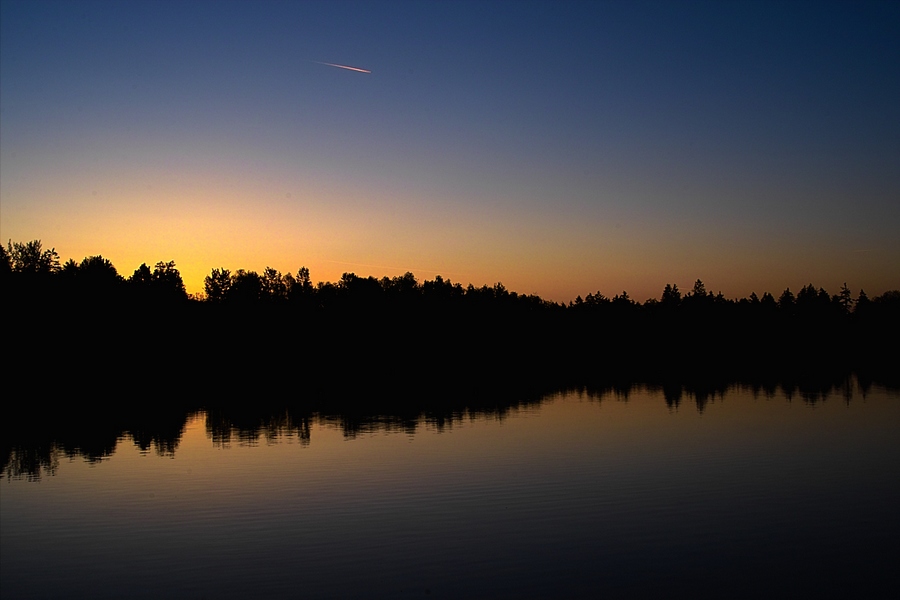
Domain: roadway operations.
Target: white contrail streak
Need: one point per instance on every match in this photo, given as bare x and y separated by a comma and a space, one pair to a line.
342, 67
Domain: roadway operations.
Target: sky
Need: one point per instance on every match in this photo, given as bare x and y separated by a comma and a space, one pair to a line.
561, 148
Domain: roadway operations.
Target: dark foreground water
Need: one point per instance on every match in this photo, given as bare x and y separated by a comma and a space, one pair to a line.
575, 496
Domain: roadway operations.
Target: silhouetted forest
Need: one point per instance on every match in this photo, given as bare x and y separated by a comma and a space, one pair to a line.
266, 351
82, 325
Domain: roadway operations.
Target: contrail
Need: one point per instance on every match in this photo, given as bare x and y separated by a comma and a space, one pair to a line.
342, 67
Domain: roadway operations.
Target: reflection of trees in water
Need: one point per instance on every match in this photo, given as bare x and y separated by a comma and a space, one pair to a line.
408, 418
30, 461
32, 448
241, 425
809, 389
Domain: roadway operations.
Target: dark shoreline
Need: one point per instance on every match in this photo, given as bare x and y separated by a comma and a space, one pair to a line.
145, 354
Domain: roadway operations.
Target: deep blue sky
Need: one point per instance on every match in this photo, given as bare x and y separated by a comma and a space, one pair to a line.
561, 148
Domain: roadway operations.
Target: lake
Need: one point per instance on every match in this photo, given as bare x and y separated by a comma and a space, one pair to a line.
643, 492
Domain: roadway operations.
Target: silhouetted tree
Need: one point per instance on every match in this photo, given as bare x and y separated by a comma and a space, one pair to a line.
69, 270
441, 292
671, 297
30, 257
5, 262
845, 299
622, 300
596, 299
699, 290
806, 301
166, 281
404, 285
698, 300
302, 278
786, 300
96, 271
889, 298
217, 284
141, 277
325, 294
273, 286
246, 287
300, 289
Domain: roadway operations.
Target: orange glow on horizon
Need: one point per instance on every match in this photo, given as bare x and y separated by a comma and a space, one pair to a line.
210, 219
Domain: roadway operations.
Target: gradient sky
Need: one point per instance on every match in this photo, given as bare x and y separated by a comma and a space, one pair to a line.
561, 148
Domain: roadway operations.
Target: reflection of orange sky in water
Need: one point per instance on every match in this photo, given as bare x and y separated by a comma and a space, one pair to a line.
533, 443
614, 477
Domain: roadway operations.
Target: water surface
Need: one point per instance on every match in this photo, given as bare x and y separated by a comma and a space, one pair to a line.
578, 495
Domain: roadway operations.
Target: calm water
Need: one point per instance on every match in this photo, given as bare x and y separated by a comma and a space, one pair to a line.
575, 496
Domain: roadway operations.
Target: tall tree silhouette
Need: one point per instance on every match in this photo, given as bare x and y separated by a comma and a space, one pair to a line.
166, 281
141, 277
30, 257
217, 285
671, 296
273, 286
98, 271
5, 262
786, 301
845, 299
246, 287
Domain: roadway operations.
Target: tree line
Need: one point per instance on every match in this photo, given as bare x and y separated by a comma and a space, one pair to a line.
30, 265
269, 331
